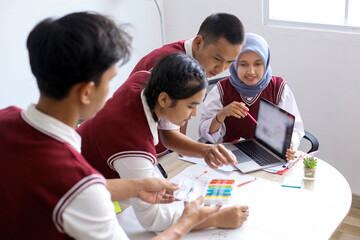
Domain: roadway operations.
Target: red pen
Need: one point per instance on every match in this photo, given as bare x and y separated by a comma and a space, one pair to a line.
252, 118
242, 184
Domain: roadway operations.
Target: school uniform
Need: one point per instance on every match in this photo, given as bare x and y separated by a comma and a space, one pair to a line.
277, 92
148, 62
120, 141
48, 190
233, 88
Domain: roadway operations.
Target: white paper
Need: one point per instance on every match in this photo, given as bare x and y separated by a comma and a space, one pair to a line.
201, 161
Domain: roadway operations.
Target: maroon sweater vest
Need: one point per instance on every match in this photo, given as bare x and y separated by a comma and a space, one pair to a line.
38, 175
245, 127
119, 130
148, 62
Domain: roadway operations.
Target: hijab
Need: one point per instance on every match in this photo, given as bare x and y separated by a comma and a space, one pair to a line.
257, 44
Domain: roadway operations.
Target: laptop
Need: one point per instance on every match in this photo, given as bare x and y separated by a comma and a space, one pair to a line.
273, 134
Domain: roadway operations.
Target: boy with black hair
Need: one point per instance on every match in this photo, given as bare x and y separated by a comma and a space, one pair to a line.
48, 190
216, 46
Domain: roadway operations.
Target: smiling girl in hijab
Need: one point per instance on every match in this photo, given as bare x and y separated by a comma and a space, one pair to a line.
223, 113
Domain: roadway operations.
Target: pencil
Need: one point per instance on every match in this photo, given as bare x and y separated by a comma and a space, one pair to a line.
252, 118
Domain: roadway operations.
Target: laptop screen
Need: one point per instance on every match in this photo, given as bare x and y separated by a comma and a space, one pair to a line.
274, 128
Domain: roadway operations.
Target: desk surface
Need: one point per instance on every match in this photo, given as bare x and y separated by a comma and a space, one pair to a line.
317, 208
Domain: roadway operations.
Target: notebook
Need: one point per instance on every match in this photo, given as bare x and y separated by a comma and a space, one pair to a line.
273, 134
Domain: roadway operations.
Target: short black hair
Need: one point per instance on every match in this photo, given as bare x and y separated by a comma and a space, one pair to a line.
177, 74
78, 47
224, 25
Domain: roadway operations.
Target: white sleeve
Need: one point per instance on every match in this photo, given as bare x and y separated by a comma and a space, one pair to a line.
91, 215
212, 105
153, 217
288, 103
167, 125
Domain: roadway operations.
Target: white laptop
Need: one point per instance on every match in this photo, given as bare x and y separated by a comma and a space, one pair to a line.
273, 134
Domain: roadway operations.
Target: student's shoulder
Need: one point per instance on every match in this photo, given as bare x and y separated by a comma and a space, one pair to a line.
168, 49
65, 159
10, 118
10, 110
179, 45
223, 82
278, 80
138, 78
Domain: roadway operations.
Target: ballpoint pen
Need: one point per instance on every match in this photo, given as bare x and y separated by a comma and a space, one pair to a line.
162, 170
252, 118
195, 181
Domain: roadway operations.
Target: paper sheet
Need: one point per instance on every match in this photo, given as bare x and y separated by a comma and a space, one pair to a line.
201, 161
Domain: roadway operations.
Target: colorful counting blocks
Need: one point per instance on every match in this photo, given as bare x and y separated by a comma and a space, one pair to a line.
219, 192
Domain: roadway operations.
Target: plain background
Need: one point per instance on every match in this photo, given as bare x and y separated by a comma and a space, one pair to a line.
321, 67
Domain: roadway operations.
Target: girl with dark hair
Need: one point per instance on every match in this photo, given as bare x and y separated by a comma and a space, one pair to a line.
121, 138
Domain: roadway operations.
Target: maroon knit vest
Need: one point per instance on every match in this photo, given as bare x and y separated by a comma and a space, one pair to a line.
245, 127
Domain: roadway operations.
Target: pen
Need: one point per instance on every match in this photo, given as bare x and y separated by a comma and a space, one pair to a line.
252, 118
162, 170
195, 181
242, 184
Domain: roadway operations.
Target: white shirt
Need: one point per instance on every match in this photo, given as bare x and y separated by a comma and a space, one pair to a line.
91, 214
212, 105
153, 217
188, 47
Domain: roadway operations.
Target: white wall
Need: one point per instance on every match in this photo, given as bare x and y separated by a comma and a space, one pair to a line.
18, 17
322, 69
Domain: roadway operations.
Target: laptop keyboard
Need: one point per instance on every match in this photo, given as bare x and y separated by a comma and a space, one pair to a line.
257, 153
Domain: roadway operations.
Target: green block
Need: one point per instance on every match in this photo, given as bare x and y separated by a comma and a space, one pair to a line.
117, 207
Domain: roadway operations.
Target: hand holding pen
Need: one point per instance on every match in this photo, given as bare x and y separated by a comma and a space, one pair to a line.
234, 109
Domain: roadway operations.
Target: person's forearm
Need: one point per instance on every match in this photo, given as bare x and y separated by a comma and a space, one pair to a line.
209, 222
184, 226
182, 144
176, 231
216, 123
123, 188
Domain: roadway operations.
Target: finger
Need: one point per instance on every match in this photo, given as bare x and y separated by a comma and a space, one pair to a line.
167, 200
168, 195
213, 163
237, 110
238, 113
244, 208
241, 106
169, 186
219, 157
211, 160
242, 112
290, 154
235, 114
229, 156
200, 200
